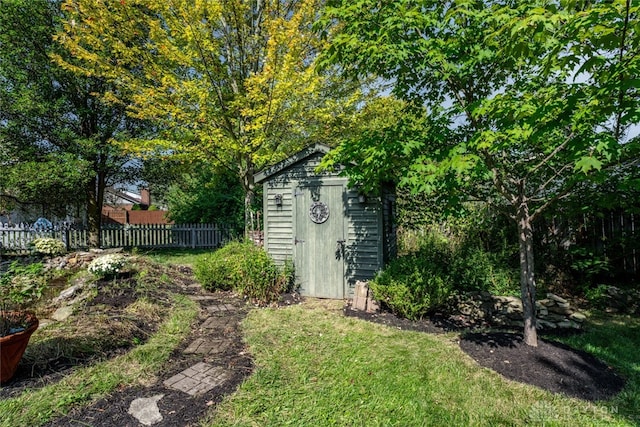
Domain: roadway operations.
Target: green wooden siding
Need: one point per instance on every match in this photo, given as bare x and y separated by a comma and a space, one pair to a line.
361, 225
278, 224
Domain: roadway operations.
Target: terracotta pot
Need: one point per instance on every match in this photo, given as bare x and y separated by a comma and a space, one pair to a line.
12, 348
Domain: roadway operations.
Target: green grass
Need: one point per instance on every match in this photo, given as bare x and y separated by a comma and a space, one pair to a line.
175, 256
316, 367
616, 341
36, 407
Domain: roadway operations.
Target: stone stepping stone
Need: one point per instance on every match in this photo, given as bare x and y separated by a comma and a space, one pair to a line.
146, 410
202, 297
216, 322
207, 346
220, 308
198, 379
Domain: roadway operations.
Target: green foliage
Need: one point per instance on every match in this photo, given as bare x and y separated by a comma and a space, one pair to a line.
21, 285
587, 264
521, 102
57, 139
597, 296
245, 268
230, 83
48, 246
416, 283
434, 265
52, 180
207, 195
409, 289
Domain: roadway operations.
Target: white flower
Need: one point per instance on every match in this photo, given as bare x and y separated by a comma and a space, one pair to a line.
107, 265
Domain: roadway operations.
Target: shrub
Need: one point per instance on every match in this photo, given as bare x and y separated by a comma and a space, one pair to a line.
437, 265
244, 268
409, 287
475, 269
48, 246
107, 266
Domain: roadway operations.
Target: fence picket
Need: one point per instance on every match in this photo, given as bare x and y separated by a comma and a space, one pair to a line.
16, 239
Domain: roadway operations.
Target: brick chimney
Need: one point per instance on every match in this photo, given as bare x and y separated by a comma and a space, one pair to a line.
145, 197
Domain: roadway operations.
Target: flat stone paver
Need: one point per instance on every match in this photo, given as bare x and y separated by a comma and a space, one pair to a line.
220, 308
207, 346
217, 322
198, 379
203, 298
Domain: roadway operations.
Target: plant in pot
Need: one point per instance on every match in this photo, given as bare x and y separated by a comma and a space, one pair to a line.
21, 286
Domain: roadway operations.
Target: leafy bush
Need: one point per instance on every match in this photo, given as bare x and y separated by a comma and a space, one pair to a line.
475, 269
107, 265
21, 285
409, 293
414, 284
48, 246
245, 268
436, 266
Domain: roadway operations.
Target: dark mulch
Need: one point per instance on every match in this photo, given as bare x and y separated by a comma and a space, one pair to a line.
551, 366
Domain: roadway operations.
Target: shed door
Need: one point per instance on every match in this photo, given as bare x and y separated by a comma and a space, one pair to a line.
319, 240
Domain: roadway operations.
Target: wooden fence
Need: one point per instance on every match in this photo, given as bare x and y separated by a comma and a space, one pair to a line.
610, 238
18, 238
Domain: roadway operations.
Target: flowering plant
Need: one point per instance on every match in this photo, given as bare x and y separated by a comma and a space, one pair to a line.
48, 246
107, 265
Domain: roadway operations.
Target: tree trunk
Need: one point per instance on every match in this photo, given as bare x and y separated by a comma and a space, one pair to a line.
94, 215
249, 196
527, 282
95, 196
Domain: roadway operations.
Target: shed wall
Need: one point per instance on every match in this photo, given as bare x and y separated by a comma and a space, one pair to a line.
369, 226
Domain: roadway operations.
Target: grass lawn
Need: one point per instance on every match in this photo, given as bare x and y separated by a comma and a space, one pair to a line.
316, 367
176, 256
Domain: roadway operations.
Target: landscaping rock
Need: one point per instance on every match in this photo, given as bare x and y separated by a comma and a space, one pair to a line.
363, 298
146, 410
68, 293
62, 313
578, 317
556, 298
560, 310
475, 309
546, 324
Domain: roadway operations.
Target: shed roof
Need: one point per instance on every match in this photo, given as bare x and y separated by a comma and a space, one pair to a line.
298, 157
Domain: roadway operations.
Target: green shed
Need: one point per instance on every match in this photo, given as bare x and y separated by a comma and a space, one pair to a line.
334, 235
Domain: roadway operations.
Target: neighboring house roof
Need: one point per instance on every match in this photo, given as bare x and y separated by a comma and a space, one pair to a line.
125, 195
299, 156
118, 197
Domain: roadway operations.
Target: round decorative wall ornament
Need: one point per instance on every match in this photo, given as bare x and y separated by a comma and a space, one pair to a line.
319, 212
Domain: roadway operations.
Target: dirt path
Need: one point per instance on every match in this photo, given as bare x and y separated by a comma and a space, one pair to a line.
211, 364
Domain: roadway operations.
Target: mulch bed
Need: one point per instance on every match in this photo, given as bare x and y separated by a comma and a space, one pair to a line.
551, 365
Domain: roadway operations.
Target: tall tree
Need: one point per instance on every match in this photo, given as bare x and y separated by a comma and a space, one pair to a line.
207, 195
521, 102
52, 121
229, 81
